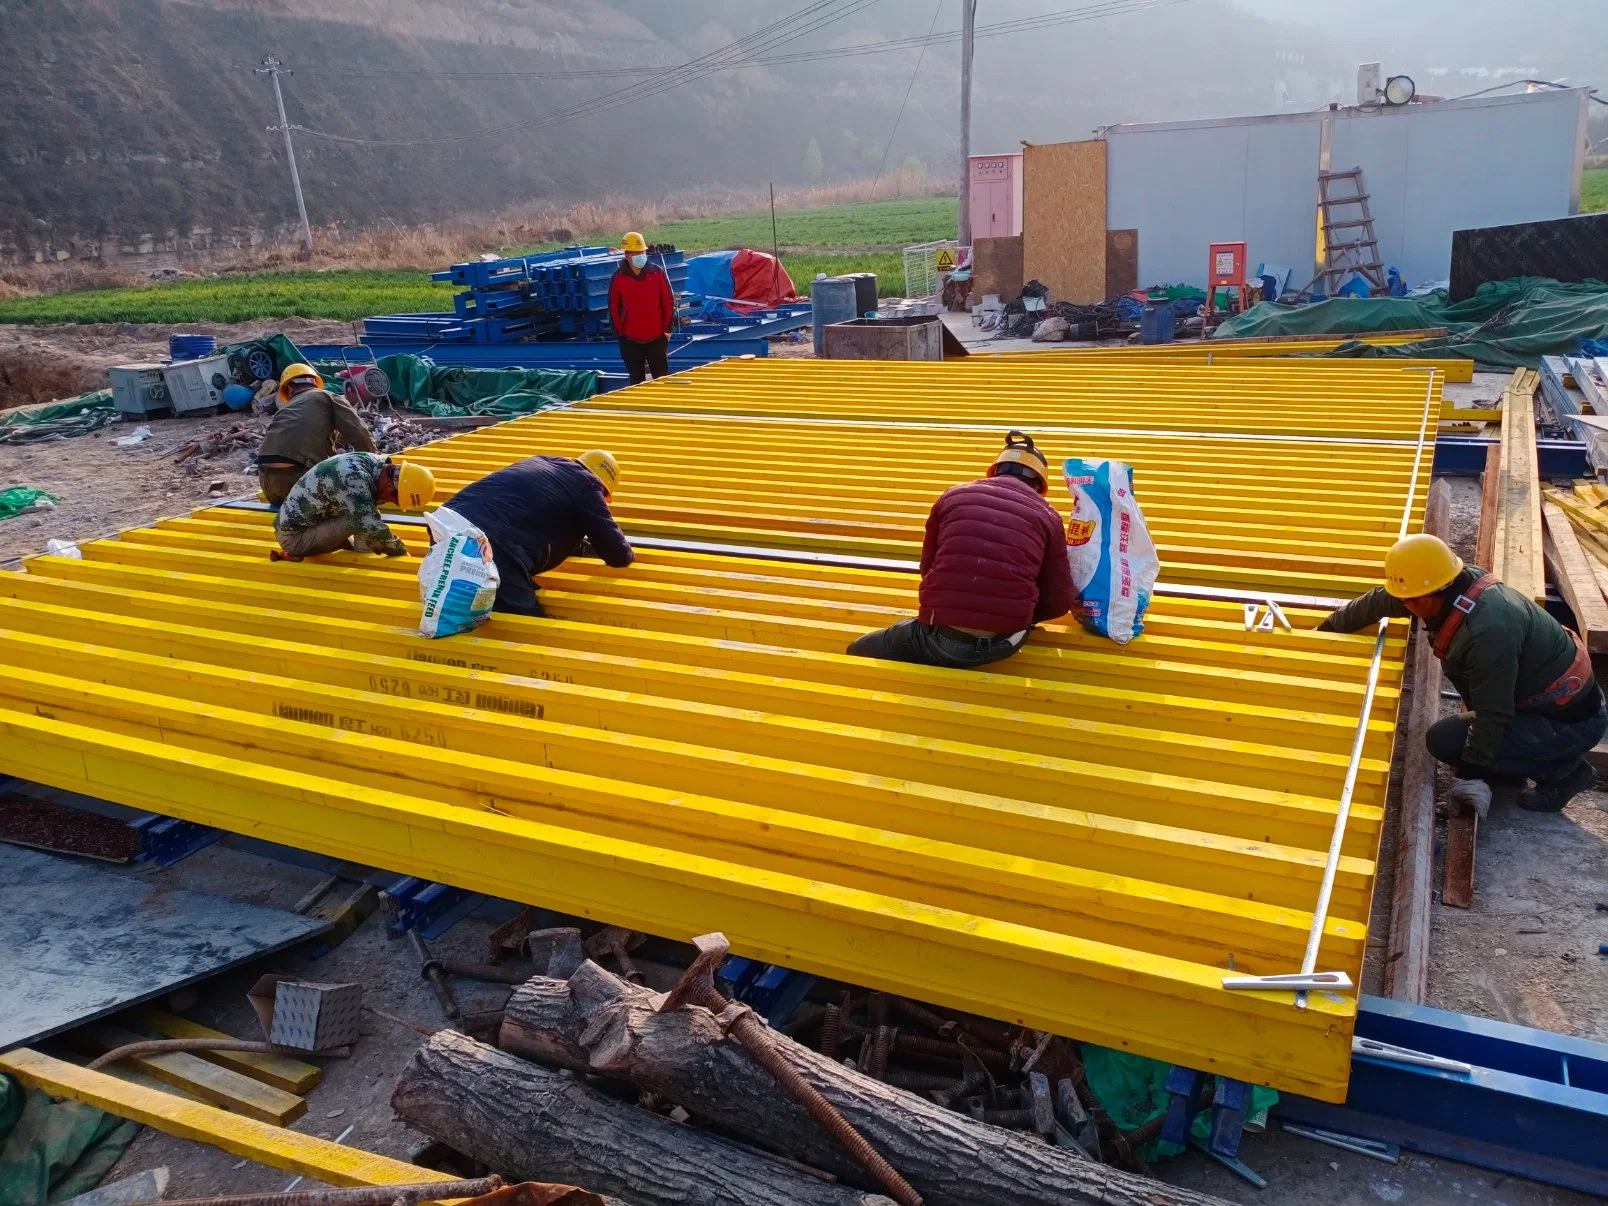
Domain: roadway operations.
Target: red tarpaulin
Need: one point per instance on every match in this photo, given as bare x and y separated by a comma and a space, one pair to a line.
759, 281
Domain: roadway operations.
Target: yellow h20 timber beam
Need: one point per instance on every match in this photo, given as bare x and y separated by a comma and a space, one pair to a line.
1084, 838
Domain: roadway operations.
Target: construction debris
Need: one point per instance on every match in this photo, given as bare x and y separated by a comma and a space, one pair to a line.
241, 437
596, 1022
539, 1124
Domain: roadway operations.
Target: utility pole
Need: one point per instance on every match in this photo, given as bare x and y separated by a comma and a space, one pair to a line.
273, 68
968, 19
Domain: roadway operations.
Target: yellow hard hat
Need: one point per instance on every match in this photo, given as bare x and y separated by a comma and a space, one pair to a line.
415, 487
1420, 565
1020, 450
633, 242
291, 373
603, 466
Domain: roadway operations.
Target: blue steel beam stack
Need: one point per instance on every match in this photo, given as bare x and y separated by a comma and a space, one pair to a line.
562, 292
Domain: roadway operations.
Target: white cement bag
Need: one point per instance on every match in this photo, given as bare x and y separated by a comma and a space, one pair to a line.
1114, 563
457, 578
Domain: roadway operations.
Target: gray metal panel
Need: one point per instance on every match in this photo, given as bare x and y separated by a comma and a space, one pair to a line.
1435, 168
78, 942
1480, 162
1185, 188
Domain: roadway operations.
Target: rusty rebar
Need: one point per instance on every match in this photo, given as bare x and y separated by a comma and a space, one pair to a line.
697, 987
430, 969
168, 1046
919, 1014
923, 1082
363, 1195
486, 973
881, 1042
831, 1031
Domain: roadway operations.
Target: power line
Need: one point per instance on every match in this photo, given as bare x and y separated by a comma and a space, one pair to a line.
888, 146
775, 34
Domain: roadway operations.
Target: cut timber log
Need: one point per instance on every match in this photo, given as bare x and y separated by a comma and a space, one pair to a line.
1490, 483
1517, 551
1576, 581
597, 1022
1406, 975
532, 1123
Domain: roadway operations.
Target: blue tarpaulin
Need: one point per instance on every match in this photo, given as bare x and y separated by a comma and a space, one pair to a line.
709, 275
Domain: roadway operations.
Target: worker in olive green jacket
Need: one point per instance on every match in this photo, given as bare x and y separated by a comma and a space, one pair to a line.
1534, 707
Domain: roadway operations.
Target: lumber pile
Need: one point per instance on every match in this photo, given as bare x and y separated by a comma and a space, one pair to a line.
1516, 556
1577, 548
529, 1109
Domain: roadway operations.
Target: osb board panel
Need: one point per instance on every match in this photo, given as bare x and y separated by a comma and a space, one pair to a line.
1064, 218
1122, 262
997, 267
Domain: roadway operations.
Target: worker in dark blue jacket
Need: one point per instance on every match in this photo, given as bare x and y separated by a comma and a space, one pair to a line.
540, 512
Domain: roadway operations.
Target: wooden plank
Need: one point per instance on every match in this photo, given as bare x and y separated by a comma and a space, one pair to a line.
1064, 218
1406, 972
1517, 554
280, 1071
208, 1081
1490, 480
331, 1163
1576, 579
1457, 879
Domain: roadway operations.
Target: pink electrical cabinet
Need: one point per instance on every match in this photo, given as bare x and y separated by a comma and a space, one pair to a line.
996, 195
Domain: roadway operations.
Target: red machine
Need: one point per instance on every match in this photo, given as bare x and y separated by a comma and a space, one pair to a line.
1225, 268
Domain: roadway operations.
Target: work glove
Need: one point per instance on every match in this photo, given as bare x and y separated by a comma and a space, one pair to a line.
1470, 795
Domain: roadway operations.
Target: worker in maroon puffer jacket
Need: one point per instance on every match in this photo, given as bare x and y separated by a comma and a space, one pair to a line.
993, 565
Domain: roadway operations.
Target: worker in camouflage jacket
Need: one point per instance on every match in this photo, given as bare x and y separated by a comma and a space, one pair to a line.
1534, 707
336, 505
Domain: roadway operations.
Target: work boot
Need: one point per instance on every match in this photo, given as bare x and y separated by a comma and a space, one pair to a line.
1553, 795
1506, 789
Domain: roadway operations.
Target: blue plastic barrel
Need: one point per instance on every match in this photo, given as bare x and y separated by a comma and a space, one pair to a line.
1156, 323
832, 299
190, 347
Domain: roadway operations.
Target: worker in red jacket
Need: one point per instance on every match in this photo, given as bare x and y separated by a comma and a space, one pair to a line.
993, 565
643, 310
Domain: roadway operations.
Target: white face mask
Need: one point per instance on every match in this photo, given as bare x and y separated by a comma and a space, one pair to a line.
639, 259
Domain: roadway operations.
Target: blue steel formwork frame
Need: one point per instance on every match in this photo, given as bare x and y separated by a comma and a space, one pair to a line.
1532, 1103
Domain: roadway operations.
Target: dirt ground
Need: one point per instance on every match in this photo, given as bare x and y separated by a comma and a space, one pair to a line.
44, 363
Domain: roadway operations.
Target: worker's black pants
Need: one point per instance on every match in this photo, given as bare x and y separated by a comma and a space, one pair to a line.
516, 591
644, 358
1536, 747
929, 645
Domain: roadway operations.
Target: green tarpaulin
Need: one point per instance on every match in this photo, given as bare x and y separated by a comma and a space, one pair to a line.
448, 390
49, 420
52, 1151
1506, 324
1133, 1090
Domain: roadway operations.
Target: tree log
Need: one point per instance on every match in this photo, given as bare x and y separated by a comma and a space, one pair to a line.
597, 1022
533, 1124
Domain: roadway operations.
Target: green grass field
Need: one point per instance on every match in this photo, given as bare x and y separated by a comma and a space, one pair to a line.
342, 294
832, 239
1594, 190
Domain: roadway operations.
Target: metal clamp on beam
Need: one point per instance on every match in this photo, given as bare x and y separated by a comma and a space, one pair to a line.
1293, 982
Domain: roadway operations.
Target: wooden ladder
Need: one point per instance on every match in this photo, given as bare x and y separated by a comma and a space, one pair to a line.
1343, 256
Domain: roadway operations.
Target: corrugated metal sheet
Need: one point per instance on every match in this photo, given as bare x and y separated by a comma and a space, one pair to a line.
1083, 838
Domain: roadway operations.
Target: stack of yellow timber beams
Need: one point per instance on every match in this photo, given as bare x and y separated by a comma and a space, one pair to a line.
1085, 838
1248, 494
1217, 351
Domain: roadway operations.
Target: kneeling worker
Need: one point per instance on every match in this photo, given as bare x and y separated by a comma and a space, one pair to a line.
993, 565
336, 505
540, 512
303, 430
1535, 709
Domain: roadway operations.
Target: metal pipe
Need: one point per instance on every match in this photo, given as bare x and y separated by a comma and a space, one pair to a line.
362, 1195
1320, 913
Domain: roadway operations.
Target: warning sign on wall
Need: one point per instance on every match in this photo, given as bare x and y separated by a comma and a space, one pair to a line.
946, 259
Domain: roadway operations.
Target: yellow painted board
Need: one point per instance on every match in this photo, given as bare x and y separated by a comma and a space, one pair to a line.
208, 1081
280, 1071
306, 1155
1148, 1003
